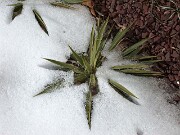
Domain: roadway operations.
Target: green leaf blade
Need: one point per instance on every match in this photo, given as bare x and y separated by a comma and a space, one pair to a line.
52, 86
86, 65
134, 47
77, 57
64, 65
101, 33
40, 21
151, 61
61, 4
119, 36
131, 66
89, 107
121, 88
139, 72
73, 1
147, 58
91, 45
17, 10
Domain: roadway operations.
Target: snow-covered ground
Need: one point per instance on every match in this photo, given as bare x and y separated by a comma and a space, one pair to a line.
23, 44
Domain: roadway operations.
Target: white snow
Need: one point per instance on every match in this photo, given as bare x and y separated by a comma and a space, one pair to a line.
22, 75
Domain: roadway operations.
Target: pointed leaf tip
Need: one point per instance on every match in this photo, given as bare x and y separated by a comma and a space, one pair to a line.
17, 10
40, 21
132, 48
120, 88
52, 86
64, 65
89, 107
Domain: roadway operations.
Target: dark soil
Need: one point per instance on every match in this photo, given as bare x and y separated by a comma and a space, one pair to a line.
150, 20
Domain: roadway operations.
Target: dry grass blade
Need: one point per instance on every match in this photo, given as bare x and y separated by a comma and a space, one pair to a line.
17, 9
120, 88
133, 47
63, 5
74, 1
65, 65
50, 87
40, 21
90, 4
131, 66
89, 107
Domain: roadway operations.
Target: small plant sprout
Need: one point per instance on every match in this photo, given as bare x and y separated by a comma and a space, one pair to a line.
85, 64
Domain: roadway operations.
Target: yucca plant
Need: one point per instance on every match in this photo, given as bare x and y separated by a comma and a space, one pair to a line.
84, 65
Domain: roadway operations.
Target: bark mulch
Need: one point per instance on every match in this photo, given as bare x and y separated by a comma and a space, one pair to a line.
150, 20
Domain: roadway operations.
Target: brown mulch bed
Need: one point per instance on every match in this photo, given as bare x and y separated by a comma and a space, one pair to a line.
150, 20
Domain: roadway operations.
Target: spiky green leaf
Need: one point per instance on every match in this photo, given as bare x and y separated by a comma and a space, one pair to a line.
73, 1
133, 47
118, 38
120, 88
140, 72
64, 65
141, 58
132, 54
52, 86
61, 4
101, 33
40, 21
98, 23
92, 51
89, 107
131, 66
86, 64
145, 59
17, 9
151, 61
16, 4
77, 57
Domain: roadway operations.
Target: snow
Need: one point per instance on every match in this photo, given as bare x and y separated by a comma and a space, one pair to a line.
23, 74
